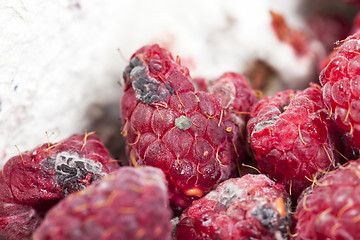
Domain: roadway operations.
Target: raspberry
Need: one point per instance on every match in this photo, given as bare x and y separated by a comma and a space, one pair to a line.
250, 207
17, 221
291, 137
328, 28
169, 126
356, 24
236, 97
341, 89
35, 180
131, 203
331, 208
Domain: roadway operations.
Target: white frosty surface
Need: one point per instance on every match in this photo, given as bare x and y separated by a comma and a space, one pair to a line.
59, 64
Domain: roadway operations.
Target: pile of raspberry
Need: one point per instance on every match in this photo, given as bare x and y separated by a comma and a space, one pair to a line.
206, 160
290, 138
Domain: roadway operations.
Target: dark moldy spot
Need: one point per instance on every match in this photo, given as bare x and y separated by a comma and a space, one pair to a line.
266, 214
72, 172
269, 217
133, 63
169, 88
149, 90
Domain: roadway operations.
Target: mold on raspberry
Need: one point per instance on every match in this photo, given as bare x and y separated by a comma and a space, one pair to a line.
250, 207
171, 131
183, 123
72, 171
130, 203
35, 180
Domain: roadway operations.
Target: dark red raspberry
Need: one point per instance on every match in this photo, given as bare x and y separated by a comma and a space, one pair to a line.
34, 181
236, 97
341, 89
328, 28
17, 221
356, 24
131, 203
169, 126
291, 137
330, 209
250, 207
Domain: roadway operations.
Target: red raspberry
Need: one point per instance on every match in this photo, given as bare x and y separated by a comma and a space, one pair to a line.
328, 28
169, 126
291, 137
131, 203
331, 208
250, 207
34, 181
341, 89
236, 97
17, 221
356, 24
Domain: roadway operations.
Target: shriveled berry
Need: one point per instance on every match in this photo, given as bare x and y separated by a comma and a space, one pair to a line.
250, 207
129, 204
35, 180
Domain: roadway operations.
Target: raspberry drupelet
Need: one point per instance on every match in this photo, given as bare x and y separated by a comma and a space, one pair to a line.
35, 180
330, 208
170, 126
250, 207
129, 204
341, 89
291, 138
236, 97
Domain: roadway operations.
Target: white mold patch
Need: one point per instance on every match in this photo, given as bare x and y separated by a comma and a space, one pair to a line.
183, 122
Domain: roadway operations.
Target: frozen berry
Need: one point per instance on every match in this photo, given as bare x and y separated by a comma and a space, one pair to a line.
129, 204
35, 180
250, 207
291, 137
330, 209
328, 28
341, 89
17, 221
236, 97
170, 126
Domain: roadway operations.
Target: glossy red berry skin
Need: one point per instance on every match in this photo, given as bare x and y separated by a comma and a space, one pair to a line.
292, 138
341, 89
170, 126
330, 209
